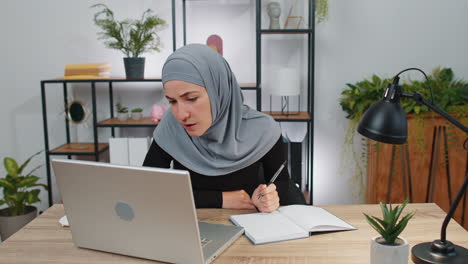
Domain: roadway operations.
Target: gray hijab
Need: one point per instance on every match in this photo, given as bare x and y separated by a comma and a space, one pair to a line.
238, 137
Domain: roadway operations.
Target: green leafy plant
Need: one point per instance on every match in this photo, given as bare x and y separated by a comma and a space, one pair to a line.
121, 109
389, 227
450, 94
321, 10
137, 110
131, 36
17, 192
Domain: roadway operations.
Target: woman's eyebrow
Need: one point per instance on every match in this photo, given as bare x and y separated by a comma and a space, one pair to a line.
184, 94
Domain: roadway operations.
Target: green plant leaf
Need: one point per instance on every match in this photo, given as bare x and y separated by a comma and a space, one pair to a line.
20, 170
6, 184
32, 196
11, 166
28, 181
375, 225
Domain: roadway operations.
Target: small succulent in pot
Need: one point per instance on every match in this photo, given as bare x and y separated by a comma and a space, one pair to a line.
389, 227
137, 113
122, 112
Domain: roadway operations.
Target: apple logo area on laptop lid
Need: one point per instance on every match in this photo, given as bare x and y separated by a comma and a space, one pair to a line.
137, 211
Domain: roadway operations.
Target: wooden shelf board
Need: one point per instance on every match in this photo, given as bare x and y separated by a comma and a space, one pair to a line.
79, 148
248, 85
291, 116
101, 79
145, 121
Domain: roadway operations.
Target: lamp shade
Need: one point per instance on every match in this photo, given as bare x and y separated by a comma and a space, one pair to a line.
384, 121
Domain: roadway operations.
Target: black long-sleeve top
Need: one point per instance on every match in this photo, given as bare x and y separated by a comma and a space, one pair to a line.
207, 190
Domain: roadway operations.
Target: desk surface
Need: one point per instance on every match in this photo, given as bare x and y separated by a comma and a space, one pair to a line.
45, 241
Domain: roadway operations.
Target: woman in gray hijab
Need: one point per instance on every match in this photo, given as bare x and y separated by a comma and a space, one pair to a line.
212, 134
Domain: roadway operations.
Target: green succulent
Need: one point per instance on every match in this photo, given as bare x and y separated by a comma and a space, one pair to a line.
17, 192
121, 108
389, 227
137, 110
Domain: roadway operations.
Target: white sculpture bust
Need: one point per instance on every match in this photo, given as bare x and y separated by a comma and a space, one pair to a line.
274, 11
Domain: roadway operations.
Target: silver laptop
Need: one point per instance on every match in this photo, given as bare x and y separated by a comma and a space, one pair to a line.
138, 211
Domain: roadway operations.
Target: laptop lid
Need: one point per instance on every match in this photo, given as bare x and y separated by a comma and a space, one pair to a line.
137, 211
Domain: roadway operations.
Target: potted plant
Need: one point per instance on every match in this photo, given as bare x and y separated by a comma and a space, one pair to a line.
450, 94
122, 112
389, 247
137, 113
131, 36
18, 195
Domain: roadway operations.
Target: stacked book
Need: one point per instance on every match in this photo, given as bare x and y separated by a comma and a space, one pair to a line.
87, 71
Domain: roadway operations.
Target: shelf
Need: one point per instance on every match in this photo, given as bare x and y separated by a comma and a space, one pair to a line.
292, 116
111, 79
78, 149
248, 86
114, 122
286, 31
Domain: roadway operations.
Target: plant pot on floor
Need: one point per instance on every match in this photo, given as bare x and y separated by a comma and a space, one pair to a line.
134, 67
382, 253
10, 224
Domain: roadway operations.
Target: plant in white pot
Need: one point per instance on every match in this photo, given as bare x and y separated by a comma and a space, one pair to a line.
122, 112
131, 36
389, 247
18, 194
137, 113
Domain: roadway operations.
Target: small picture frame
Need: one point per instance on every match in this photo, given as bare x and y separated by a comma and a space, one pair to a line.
293, 22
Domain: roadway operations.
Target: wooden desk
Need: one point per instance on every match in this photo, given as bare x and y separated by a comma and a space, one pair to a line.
45, 241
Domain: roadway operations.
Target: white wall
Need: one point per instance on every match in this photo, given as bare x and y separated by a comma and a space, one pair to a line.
361, 37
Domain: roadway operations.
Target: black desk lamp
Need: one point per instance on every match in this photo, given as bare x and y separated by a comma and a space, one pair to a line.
385, 121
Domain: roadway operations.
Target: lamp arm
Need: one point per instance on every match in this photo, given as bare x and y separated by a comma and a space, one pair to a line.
419, 98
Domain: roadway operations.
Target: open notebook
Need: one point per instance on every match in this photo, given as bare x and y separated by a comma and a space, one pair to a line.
288, 222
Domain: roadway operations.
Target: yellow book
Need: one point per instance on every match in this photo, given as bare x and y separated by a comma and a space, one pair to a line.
85, 77
87, 69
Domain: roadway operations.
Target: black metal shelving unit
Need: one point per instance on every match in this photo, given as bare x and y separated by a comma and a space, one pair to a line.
89, 148
306, 116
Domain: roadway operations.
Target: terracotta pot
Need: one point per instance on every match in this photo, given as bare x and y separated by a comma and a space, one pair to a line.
389, 254
10, 224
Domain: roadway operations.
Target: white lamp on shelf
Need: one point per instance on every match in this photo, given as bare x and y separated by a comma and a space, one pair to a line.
285, 83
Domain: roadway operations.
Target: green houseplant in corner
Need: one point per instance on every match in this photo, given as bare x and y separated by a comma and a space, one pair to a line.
18, 194
131, 36
389, 247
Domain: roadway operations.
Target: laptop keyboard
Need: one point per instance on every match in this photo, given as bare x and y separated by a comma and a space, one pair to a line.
204, 241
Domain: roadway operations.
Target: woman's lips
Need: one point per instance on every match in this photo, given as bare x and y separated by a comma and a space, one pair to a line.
189, 126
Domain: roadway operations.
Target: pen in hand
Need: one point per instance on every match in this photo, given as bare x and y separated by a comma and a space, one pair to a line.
274, 177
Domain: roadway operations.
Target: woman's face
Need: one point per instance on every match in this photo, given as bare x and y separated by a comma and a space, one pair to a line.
190, 105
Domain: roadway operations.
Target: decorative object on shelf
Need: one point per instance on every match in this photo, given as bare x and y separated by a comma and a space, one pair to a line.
18, 195
77, 112
131, 36
137, 113
388, 247
274, 12
285, 83
157, 112
87, 71
122, 112
215, 42
385, 121
292, 22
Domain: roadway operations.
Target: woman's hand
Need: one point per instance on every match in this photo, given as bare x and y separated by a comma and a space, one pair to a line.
269, 200
237, 200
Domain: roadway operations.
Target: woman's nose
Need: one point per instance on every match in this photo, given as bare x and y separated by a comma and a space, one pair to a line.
182, 112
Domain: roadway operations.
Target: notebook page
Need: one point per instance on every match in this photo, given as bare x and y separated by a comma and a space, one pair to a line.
268, 227
314, 218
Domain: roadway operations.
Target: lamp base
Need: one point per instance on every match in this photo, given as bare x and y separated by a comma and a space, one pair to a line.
439, 252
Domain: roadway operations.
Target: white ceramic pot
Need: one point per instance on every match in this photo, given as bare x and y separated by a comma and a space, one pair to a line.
122, 116
136, 115
387, 254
